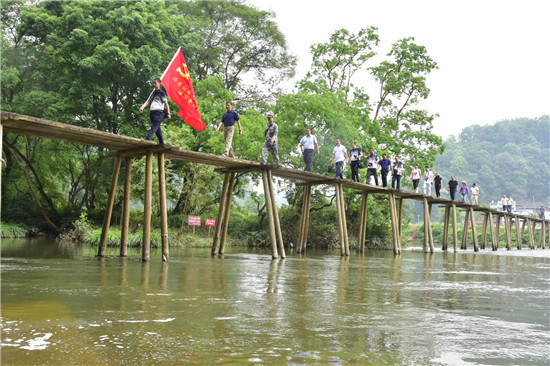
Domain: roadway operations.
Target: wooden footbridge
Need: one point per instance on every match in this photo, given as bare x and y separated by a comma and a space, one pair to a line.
128, 148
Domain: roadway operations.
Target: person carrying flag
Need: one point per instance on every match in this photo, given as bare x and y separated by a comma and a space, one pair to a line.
158, 102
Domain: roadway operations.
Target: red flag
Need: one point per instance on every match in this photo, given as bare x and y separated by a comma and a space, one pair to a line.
177, 82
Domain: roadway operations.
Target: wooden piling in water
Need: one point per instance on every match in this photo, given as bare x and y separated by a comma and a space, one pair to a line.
270, 219
217, 231
508, 228
523, 224
344, 221
109, 208
518, 237
431, 235
163, 208
400, 222
300, 245
541, 235
362, 236
426, 246
465, 230
484, 231
531, 227
125, 220
396, 238
474, 229
340, 219
228, 200
497, 232
492, 229
147, 204
446, 220
455, 228
278, 232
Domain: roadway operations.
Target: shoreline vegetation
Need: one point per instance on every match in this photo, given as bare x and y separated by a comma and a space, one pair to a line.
413, 235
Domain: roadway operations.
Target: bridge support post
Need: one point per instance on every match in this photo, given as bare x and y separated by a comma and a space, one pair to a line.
497, 232
346, 237
428, 238
362, 235
341, 219
484, 230
446, 220
163, 208
125, 221
270, 219
474, 230
508, 227
400, 221
465, 230
455, 228
225, 223
542, 234
523, 224
304, 222
147, 204
109, 208
278, 232
492, 229
531, 225
431, 237
518, 237
395, 224
217, 232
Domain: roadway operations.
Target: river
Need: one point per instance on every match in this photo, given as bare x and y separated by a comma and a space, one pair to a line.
63, 306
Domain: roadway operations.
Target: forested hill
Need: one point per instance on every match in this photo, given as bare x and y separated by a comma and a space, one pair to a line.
511, 157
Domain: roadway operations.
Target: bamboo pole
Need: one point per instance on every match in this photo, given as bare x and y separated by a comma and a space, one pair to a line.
497, 232
541, 235
361, 231
278, 232
163, 208
109, 208
484, 231
340, 221
474, 230
426, 226
531, 234
147, 203
446, 220
394, 219
455, 228
344, 222
270, 219
523, 224
465, 230
518, 237
228, 200
400, 221
217, 231
1, 165
307, 208
302, 220
492, 229
508, 228
125, 220
431, 235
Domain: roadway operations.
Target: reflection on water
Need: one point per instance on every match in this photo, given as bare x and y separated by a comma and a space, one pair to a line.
61, 305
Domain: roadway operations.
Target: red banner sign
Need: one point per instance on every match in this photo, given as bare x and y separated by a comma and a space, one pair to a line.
210, 222
194, 220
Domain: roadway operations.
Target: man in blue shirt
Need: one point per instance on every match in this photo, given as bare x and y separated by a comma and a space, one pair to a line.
385, 168
308, 142
158, 101
228, 122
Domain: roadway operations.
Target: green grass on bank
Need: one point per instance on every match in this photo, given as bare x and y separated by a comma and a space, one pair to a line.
185, 239
8, 230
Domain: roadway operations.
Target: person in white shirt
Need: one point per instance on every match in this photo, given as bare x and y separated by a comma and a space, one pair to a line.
504, 202
428, 181
474, 192
396, 172
340, 154
372, 166
159, 102
415, 176
308, 142
511, 203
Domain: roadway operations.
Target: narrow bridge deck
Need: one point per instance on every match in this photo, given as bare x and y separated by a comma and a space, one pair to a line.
130, 147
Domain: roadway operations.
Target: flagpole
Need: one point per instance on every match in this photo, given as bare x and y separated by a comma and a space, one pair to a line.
167, 67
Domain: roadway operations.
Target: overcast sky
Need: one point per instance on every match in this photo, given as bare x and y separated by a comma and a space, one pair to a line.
493, 56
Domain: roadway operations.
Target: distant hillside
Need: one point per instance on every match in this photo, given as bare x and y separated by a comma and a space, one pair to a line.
511, 157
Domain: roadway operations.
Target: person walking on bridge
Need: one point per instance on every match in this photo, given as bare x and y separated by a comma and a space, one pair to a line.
159, 102
464, 191
541, 212
437, 184
309, 142
396, 173
384, 169
415, 176
355, 155
428, 181
339, 155
453, 187
372, 164
504, 203
228, 122
270, 144
474, 192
